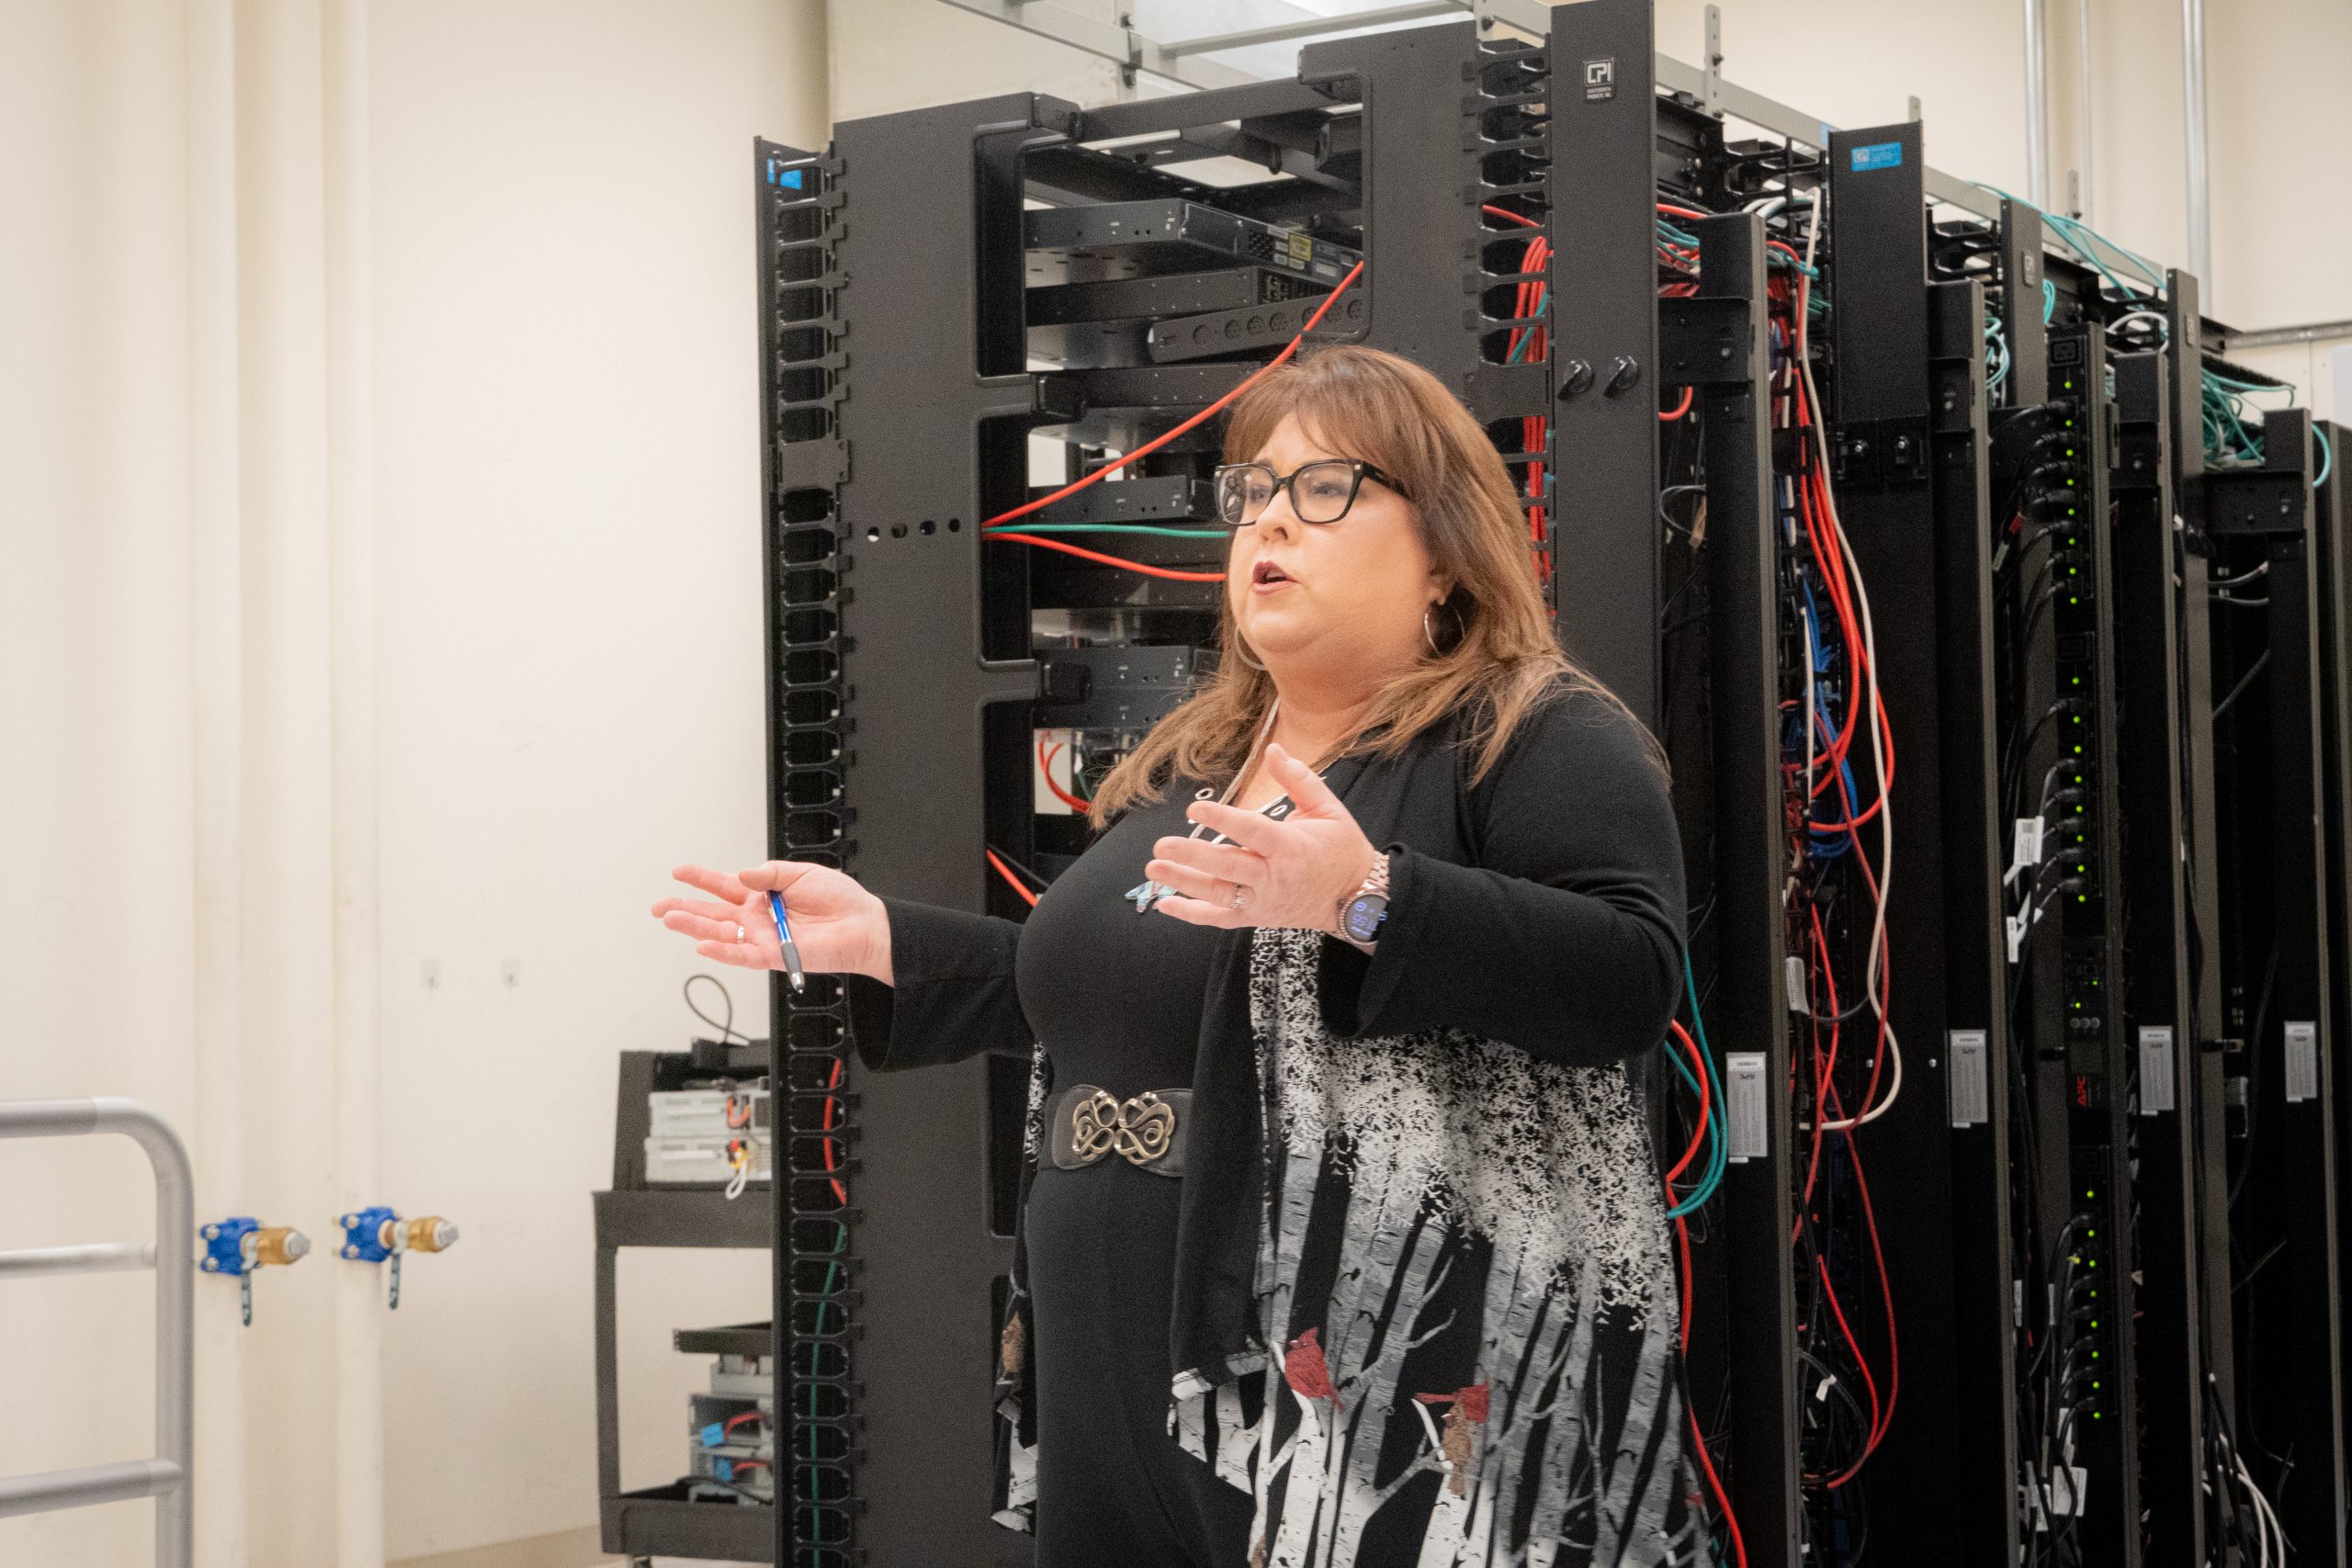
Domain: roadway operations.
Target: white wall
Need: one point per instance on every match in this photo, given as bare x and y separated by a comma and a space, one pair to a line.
567, 446
379, 543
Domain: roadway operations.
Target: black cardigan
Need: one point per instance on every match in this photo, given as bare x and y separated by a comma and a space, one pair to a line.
1542, 907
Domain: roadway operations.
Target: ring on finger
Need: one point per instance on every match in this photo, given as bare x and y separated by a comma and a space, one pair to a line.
739, 935
1241, 896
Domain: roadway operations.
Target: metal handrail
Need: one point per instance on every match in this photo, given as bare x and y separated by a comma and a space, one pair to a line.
167, 1476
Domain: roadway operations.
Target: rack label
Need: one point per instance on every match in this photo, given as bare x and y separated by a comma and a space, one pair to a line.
1878, 155
1971, 1102
1600, 80
2302, 1063
1751, 1134
2155, 1070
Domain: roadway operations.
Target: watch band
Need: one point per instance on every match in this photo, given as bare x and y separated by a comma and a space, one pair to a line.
1373, 886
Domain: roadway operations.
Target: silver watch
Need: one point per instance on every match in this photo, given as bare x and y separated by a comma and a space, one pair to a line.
1364, 911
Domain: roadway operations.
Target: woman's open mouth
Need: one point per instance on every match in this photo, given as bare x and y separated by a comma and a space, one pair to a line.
1266, 577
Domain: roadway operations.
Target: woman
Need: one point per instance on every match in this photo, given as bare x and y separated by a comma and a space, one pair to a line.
1344, 1242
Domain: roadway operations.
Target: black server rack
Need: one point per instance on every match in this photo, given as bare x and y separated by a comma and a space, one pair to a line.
1714, 341
2159, 933
2075, 1294
1975, 1035
1431, 158
2276, 961
1880, 401
2107, 1198
2331, 576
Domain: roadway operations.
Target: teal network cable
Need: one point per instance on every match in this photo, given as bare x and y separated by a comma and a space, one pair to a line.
1718, 1139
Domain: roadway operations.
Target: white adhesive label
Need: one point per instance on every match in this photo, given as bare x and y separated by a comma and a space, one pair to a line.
1970, 1098
1745, 1106
1794, 971
2156, 1097
2302, 1063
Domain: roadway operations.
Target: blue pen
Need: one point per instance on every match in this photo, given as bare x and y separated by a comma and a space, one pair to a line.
792, 971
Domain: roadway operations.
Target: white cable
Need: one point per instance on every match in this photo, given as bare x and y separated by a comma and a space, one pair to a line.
2265, 1521
1870, 654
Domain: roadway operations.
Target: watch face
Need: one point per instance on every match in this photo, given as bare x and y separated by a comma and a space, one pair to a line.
1364, 916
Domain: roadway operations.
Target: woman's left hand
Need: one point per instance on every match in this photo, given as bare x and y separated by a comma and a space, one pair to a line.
1293, 872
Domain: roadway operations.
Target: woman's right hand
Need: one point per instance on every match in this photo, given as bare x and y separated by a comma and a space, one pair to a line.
838, 927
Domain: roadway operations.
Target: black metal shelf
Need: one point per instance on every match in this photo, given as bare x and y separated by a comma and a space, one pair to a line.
689, 1217
660, 1521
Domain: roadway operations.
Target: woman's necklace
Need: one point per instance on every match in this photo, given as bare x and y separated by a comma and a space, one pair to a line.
1147, 892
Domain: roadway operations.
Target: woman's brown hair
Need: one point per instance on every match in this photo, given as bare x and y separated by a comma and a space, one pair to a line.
1501, 658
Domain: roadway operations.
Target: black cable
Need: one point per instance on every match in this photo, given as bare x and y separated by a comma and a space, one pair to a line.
1042, 883
2244, 682
726, 1029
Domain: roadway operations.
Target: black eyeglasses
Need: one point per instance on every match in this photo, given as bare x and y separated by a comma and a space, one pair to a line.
1320, 491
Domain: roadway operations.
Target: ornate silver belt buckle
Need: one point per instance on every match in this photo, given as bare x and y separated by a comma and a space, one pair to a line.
1141, 1129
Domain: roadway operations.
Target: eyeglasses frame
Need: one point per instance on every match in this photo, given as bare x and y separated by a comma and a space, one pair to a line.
1360, 469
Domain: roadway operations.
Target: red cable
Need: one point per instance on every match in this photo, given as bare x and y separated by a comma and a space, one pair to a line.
1706, 1103
1869, 1383
1006, 871
1110, 560
1157, 441
1698, 1437
840, 1193
1886, 1295
1513, 217
1045, 766
1679, 409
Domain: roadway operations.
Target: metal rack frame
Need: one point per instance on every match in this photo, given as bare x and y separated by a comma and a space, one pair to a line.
167, 1476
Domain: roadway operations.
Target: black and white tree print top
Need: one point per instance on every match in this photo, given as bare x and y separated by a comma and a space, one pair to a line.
1426, 1309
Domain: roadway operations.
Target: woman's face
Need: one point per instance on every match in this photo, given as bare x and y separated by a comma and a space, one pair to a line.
1330, 597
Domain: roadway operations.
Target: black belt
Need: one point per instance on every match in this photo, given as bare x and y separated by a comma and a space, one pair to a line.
1084, 1124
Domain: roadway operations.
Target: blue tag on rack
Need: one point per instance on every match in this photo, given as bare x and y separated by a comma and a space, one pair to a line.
1878, 155
714, 1435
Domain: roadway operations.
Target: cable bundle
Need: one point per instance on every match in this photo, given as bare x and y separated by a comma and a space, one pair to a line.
1837, 899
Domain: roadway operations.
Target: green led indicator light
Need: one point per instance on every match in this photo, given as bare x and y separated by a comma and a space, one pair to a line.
2091, 1235
2078, 750
2094, 1382
2094, 1323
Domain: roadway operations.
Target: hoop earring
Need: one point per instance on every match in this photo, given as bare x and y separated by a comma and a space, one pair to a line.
1241, 651
1428, 636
